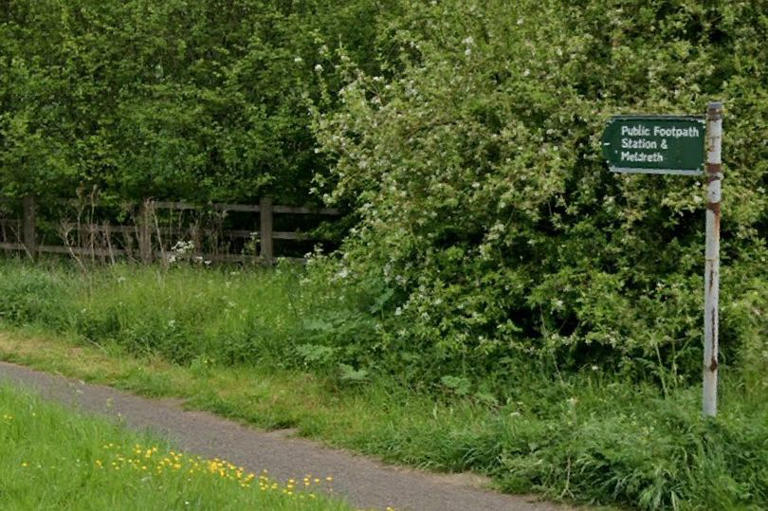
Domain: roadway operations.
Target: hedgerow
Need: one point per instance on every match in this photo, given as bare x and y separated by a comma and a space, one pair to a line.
491, 231
200, 101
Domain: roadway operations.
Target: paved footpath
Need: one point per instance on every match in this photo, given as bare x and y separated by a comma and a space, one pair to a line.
364, 482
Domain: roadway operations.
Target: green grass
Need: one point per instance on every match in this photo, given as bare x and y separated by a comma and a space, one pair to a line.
52, 458
589, 437
222, 316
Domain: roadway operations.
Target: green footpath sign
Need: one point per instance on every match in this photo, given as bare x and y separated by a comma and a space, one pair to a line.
655, 144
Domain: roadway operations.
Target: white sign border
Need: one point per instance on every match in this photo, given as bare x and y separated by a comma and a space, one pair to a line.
678, 172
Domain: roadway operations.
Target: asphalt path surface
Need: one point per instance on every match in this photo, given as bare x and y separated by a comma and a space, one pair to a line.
362, 481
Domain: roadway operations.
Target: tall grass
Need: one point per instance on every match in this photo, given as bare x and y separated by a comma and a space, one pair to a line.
227, 316
52, 458
589, 436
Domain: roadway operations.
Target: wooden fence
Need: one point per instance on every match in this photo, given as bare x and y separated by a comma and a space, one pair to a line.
21, 234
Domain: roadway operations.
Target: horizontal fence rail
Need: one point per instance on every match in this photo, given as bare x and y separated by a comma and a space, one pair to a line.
249, 208
21, 234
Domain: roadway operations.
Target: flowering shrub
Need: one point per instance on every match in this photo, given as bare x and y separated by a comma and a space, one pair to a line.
490, 229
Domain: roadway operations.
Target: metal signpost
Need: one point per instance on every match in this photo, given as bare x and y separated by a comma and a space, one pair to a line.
712, 254
665, 144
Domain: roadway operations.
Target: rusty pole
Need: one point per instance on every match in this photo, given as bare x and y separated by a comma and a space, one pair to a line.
712, 255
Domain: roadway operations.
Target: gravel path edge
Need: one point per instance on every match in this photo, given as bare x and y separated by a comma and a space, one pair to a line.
362, 481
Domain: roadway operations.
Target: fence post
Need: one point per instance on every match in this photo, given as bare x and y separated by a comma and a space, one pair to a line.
29, 236
145, 232
265, 233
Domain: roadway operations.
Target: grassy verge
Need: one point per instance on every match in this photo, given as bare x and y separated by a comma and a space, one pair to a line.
55, 459
571, 441
587, 437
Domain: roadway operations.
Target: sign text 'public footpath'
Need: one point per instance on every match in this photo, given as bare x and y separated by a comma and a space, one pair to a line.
666, 144
655, 144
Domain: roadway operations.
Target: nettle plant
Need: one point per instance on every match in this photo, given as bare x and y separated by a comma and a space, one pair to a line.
490, 229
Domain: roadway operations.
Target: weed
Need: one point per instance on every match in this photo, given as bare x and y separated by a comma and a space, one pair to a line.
55, 459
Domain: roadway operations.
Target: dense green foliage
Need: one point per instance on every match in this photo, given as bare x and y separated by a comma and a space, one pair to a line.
197, 100
490, 226
463, 134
